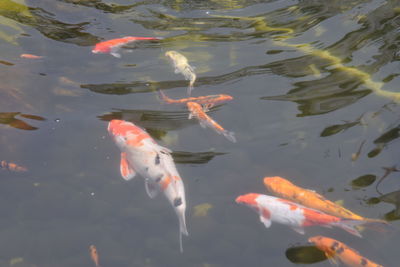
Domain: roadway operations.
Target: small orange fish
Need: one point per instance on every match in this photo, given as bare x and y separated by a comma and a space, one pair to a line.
337, 250
94, 255
207, 101
112, 46
12, 166
206, 121
311, 199
30, 56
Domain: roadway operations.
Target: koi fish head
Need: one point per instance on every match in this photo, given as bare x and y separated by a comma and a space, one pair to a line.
325, 244
101, 48
248, 199
172, 54
126, 133
276, 183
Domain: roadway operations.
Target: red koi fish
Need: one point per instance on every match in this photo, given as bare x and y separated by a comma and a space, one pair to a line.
206, 121
112, 46
141, 154
335, 249
294, 215
12, 166
30, 56
207, 101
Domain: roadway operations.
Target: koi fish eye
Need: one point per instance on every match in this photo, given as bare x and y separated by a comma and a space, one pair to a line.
177, 202
158, 179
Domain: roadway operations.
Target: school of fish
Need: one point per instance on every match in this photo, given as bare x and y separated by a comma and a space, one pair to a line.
292, 205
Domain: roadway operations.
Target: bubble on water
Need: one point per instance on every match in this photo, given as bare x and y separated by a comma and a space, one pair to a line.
57, 120
92, 194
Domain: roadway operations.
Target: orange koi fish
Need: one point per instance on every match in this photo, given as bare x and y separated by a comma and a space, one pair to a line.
273, 209
311, 199
112, 46
206, 121
141, 154
337, 250
94, 255
12, 166
30, 56
207, 101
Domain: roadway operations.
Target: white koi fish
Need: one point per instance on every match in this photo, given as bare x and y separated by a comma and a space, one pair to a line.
141, 154
294, 215
182, 66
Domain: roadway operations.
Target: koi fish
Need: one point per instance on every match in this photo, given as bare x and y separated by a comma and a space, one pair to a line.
112, 46
12, 166
181, 65
30, 56
207, 101
311, 199
94, 255
294, 215
335, 249
141, 154
206, 121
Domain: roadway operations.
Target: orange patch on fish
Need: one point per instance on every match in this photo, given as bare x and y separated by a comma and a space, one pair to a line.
12, 166
248, 199
165, 182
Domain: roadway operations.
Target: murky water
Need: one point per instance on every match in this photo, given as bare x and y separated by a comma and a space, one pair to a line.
315, 101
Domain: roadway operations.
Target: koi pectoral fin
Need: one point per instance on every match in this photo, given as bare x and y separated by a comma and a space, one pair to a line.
127, 171
299, 230
152, 189
265, 221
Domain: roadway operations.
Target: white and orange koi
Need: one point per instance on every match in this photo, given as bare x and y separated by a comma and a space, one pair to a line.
141, 154
206, 121
310, 199
294, 215
335, 249
112, 46
181, 65
207, 101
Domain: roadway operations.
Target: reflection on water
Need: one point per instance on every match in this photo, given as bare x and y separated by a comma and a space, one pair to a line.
9, 118
298, 70
305, 254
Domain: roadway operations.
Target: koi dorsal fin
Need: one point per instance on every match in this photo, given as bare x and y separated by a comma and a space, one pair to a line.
127, 171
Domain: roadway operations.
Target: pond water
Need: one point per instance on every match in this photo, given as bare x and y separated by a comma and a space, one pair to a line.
315, 87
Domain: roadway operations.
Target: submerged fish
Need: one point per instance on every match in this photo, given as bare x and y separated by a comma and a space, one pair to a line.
335, 249
207, 101
12, 166
30, 56
206, 121
94, 255
272, 209
141, 154
311, 199
181, 65
112, 46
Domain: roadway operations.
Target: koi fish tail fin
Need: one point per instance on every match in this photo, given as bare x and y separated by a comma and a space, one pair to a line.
377, 225
230, 136
350, 226
163, 96
190, 89
182, 231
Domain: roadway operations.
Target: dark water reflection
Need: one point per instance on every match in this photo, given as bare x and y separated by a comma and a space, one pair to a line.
311, 81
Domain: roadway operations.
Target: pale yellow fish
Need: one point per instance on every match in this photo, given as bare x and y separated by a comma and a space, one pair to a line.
182, 66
